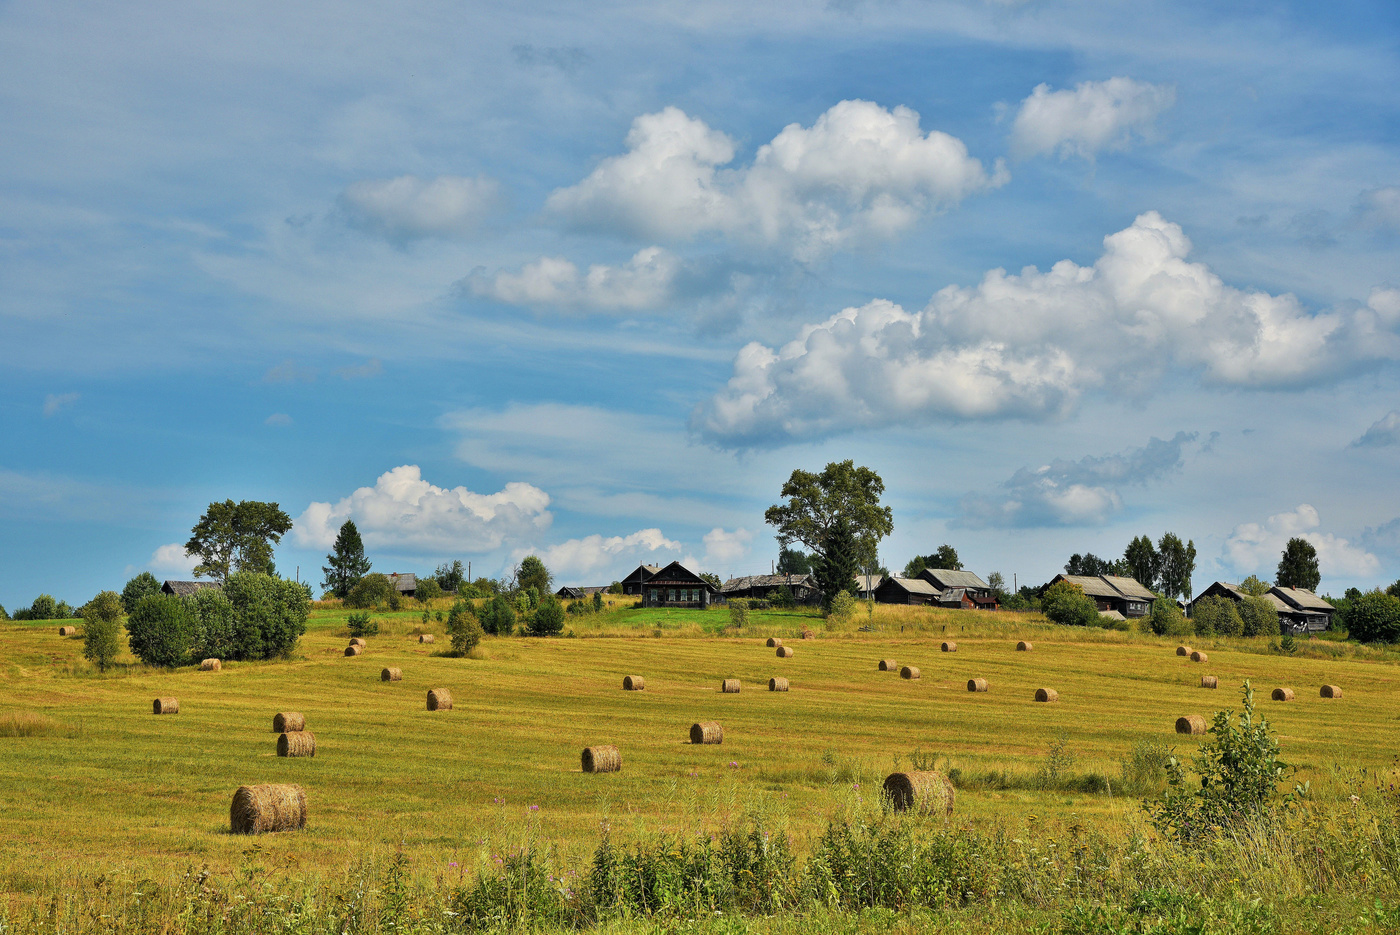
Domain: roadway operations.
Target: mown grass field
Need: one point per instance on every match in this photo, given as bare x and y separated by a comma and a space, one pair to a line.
110, 783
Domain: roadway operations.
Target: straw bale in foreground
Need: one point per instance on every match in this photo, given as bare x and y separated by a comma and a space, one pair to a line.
1191, 724
1331, 691
777, 684
296, 743
888, 665
1210, 681
440, 699
920, 790
392, 674
730, 686
1282, 694
211, 665
1024, 647
602, 759
706, 732
270, 807
284, 721
165, 706
1046, 694
634, 683
909, 672
976, 685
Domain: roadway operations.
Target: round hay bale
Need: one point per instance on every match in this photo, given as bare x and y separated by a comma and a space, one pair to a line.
1046, 694
358, 641
391, 675
271, 807
601, 759
1024, 647
67, 631
888, 665
284, 721
924, 790
1191, 724
808, 635
426, 638
211, 665
439, 699
774, 642
165, 706
296, 743
706, 732
1183, 650
354, 649
976, 685
1282, 694
730, 686
1199, 656
1210, 681
1331, 691
785, 652
634, 683
908, 672
950, 647
777, 684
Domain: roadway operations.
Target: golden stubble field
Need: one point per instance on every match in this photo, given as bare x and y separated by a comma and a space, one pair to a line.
121, 786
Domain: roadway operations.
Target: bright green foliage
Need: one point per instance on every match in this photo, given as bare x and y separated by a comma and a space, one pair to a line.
793, 562
1258, 617
141, 586
1065, 602
427, 590
1239, 770
44, 608
160, 630
450, 577
4, 614
359, 624
1298, 566
945, 557
1142, 562
215, 626
615, 587
347, 560
843, 606
371, 591
533, 574
239, 536
101, 619
548, 619
836, 564
597, 601
533, 595
463, 628
1176, 563
498, 617
1166, 619
1374, 617
1254, 586
1091, 566
270, 614
738, 612
816, 501
1393, 591
1216, 615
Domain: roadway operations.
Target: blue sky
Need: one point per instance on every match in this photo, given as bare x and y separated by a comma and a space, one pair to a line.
591, 282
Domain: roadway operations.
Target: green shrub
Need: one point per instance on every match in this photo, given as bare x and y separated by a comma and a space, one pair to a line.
371, 591
427, 590
738, 612
1216, 614
1374, 617
269, 612
463, 627
783, 597
498, 616
615, 587
44, 608
359, 624
215, 625
597, 602
160, 630
1166, 619
101, 616
548, 619
1065, 602
1258, 617
143, 585
4, 614
843, 607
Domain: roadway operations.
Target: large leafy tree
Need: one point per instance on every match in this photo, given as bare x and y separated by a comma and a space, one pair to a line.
1298, 566
816, 502
347, 560
101, 617
1178, 562
533, 574
1091, 565
793, 562
1142, 562
450, 576
945, 557
836, 565
143, 585
232, 537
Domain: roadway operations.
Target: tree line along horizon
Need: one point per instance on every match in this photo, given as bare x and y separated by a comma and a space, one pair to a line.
829, 525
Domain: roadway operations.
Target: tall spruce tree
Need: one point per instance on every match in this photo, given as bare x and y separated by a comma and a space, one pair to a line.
1143, 562
1178, 562
347, 560
839, 561
1298, 566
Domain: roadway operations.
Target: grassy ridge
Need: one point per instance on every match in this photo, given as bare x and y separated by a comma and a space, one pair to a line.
117, 784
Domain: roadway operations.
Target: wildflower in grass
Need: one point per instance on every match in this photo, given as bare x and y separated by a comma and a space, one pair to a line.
534, 808
734, 763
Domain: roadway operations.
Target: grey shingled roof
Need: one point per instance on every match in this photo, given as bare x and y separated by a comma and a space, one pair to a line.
1302, 600
404, 582
767, 581
186, 588
954, 578
915, 585
1111, 586
869, 582
1129, 587
1234, 590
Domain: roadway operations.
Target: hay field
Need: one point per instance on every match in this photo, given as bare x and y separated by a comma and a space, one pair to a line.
109, 783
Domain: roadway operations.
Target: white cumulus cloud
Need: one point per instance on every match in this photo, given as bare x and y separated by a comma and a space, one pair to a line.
1095, 116
722, 547
645, 282
1030, 344
590, 555
860, 172
171, 559
411, 207
1255, 548
1383, 432
1380, 208
404, 511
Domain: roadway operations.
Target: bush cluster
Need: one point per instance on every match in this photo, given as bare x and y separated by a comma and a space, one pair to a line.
1374, 617
254, 616
1065, 602
498, 616
359, 624
463, 628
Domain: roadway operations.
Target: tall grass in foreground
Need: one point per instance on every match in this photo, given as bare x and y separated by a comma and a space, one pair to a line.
32, 724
